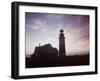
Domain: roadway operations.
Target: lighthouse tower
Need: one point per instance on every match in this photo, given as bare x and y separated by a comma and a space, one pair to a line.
62, 51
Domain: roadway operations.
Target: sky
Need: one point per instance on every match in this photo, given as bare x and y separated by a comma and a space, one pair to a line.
44, 28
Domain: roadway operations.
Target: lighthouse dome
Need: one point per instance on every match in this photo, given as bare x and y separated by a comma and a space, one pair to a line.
61, 30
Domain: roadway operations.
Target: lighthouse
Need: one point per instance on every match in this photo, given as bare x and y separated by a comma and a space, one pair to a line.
62, 51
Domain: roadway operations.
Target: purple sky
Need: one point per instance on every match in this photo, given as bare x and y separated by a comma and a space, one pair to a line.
44, 28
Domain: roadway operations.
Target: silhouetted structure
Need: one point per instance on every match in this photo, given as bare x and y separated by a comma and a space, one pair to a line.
45, 52
62, 51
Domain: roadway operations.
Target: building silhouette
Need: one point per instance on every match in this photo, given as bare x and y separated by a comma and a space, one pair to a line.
62, 51
45, 52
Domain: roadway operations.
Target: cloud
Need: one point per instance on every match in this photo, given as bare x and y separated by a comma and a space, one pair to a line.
54, 16
38, 24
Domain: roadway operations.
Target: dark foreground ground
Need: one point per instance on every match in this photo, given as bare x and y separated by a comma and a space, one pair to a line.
75, 60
